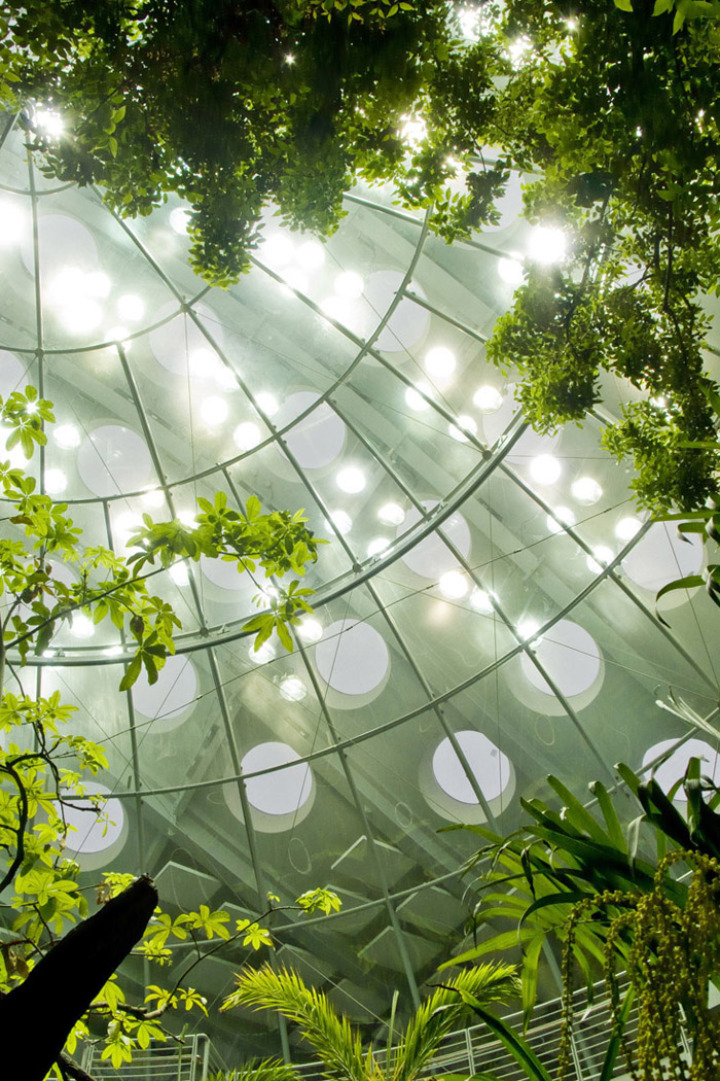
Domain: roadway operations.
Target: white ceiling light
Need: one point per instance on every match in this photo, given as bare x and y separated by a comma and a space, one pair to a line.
562, 516
415, 399
213, 411
309, 629
179, 574
155, 497
545, 469
97, 284
601, 557
267, 403
453, 585
481, 600
391, 514
518, 50
180, 220
349, 285
465, 425
49, 122
119, 335
351, 480
55, 481
487, 399
277, 250
378, 545
586, 490
341, 520
440, 362
547, 245
413, 130
511, 271
67, 286
81, 315
81, 626
66, 436
263, 655
310, 255
247, 435
626, 528
292, 689
528, 628
130, 307
296, 278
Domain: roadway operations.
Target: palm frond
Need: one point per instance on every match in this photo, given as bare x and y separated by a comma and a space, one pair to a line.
268, 1069
331, 1036
445, 1010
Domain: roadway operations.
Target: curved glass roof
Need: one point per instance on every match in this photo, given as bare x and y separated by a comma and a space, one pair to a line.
484, 616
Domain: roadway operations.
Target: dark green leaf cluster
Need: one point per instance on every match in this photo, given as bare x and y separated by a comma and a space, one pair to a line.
563, 858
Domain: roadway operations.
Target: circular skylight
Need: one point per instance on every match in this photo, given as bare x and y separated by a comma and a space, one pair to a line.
569, 655
352, 657
167, 702
95, 839
318, 438
113, 459
282, 792
662, 555
488, 765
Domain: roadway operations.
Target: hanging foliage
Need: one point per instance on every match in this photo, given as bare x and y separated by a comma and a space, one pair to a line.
673, 955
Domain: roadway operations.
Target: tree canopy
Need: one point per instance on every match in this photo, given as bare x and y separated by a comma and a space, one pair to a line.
610, 113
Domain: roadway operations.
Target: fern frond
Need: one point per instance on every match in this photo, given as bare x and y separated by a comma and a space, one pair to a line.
331, 1035
445, 1011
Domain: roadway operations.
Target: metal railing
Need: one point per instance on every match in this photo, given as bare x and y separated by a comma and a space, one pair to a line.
468, 1051
192, 1060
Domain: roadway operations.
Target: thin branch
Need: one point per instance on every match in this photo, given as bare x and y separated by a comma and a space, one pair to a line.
20, 832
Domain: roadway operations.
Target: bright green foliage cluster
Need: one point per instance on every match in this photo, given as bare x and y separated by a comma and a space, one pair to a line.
339, 1046
127, 1026
231, 106
38, 601
44, 768
611, 114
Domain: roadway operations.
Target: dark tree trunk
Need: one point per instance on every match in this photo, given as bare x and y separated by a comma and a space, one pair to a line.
37, 1016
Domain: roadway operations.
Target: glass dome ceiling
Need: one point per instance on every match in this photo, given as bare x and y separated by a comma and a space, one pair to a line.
484, 615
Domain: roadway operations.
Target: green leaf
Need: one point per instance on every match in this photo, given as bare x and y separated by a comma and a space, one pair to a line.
661, 6
131, 674
690, 581
614, 828
624, 5
518, 1048
615, 1043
